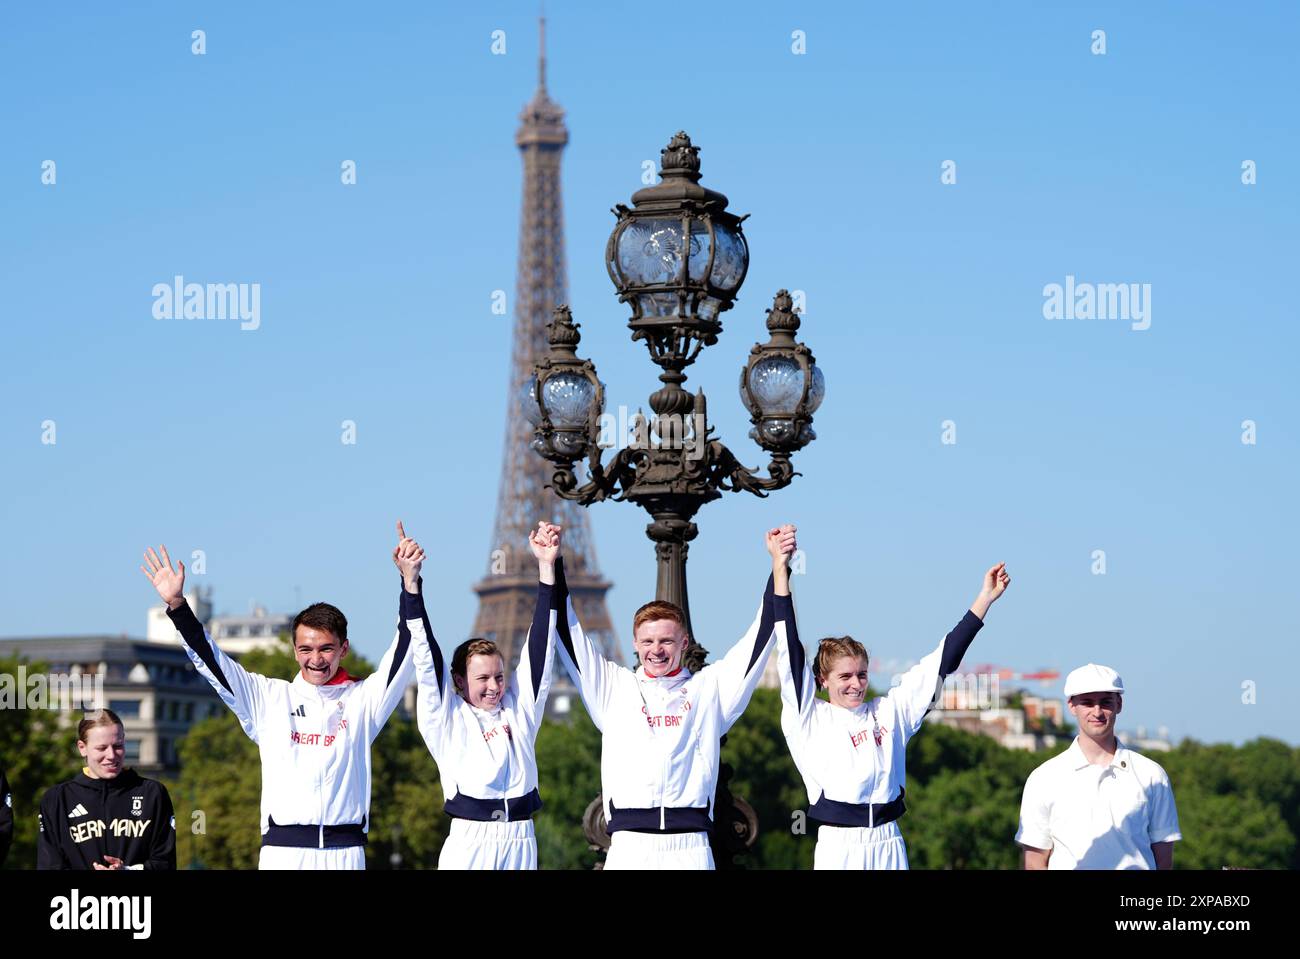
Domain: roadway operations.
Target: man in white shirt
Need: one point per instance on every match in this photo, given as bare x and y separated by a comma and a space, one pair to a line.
1098, 805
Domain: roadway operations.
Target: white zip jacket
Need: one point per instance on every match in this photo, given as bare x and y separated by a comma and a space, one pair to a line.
853, 760
314, 740
659, 752
486, 760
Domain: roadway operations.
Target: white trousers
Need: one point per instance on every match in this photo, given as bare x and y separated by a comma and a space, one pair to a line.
860, 847
645, 850
489, 845
299, 857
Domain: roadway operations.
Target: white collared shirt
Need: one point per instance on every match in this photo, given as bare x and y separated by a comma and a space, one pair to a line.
1098, 817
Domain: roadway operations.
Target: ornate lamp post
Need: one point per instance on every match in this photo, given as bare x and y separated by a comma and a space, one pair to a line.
678, 257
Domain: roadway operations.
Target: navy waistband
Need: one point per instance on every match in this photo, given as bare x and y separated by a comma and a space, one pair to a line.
308, 836
689, 819
834, 813
461, 806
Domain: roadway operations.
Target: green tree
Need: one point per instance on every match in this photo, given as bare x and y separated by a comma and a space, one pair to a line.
1230, 830
963, 819
217, 798
1260, 780
406, 800
38, 748
568, 774
766, 778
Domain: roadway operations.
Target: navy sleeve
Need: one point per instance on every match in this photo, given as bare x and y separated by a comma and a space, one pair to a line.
957, 642
783, 608
412, 607
191, 630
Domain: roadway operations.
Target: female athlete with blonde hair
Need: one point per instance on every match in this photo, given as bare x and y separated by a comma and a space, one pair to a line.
108, 817
851, 751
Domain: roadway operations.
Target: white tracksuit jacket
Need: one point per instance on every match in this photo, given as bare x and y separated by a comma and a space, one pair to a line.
314, 740
659, 753
853, 760
486, 761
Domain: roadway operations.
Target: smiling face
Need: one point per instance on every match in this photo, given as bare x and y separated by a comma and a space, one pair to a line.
319, 653
484, 681
1095, 713
846, 681
104, 750
660, 643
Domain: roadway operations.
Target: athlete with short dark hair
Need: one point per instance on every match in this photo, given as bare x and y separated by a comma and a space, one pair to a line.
313, 733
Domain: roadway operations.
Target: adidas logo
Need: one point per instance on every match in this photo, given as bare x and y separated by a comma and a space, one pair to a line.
78, 810
300, 711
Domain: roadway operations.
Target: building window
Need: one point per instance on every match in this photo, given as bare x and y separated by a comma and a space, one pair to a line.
133, 749
126, 708
189, 712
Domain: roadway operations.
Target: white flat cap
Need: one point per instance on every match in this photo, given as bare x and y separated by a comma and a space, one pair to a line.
1093, 679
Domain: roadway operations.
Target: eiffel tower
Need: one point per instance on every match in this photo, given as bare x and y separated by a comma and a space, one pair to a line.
508, 593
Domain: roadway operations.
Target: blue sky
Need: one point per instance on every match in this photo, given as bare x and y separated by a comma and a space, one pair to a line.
924, 304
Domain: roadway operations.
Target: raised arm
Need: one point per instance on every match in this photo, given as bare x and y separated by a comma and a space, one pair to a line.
434, 694
384, 687
239, 689
798, 684
921, 684
739, 671
532, 680
593, 674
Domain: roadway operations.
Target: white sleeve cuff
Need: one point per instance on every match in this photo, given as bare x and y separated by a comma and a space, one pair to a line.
1036, 840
